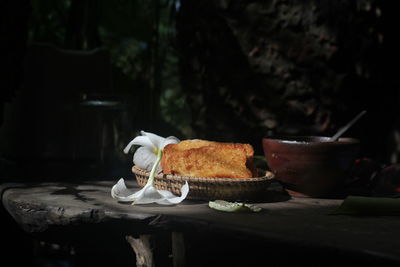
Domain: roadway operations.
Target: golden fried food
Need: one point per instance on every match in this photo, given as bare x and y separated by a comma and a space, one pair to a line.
202, 158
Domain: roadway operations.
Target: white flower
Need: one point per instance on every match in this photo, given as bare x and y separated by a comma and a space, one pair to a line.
148, 157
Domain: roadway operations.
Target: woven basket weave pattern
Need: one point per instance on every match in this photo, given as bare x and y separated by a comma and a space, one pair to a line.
209, 188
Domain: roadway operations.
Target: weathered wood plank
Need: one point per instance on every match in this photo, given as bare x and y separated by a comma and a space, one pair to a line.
304, 222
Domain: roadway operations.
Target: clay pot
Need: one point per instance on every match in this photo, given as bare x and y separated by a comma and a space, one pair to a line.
310, 166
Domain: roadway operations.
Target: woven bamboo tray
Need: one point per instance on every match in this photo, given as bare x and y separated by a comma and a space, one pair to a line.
209, 188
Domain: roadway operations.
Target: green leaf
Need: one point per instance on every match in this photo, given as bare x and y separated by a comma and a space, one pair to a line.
226, 206
358, 205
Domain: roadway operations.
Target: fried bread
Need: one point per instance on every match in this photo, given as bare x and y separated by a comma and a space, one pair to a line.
202, 158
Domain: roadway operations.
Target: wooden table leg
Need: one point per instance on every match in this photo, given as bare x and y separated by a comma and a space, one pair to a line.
144, 249
141, 247
178, 249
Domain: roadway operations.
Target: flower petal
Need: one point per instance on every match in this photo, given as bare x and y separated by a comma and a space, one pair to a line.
156, 140
120, 192
148, 194
169, 140
140, 141
145, 158
171, 199
162, 197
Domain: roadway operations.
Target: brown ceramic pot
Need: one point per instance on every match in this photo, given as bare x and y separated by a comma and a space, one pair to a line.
310, 166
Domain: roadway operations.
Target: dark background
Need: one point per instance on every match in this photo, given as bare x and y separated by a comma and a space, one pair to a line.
80, 79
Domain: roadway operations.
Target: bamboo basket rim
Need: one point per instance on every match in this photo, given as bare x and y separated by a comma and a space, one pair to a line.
269, 176
204, 188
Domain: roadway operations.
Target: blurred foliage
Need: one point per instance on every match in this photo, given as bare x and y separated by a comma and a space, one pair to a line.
140, 35
256, 68
48, 21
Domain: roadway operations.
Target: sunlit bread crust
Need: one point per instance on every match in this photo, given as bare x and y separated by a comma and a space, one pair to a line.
201, 158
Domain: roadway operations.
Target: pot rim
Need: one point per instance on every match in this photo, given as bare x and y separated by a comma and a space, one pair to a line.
309, 140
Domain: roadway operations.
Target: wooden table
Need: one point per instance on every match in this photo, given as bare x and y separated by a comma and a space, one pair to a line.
287, 231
